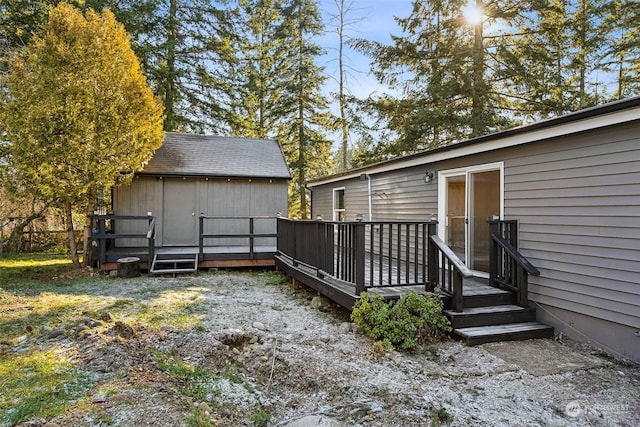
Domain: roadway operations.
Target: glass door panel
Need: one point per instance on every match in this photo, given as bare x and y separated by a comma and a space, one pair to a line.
455, 220
484, 202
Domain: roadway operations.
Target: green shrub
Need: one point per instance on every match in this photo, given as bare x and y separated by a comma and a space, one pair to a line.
403, 325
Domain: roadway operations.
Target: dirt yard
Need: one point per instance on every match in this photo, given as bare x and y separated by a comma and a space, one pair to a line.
266, 354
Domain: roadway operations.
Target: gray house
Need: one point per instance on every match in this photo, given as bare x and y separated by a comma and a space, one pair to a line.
227, 189
573, 185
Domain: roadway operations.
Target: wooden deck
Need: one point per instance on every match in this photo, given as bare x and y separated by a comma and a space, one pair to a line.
213, 256
344, 293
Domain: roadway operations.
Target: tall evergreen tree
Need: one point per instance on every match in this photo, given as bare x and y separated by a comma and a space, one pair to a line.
302, 128
440, 68
255, 69
621, 26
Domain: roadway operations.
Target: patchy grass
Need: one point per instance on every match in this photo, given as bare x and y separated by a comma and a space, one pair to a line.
42, 293
20, 269
39, 382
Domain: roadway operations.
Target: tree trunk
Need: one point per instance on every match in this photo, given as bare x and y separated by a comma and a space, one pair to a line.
14, 244
86, 240
72, 238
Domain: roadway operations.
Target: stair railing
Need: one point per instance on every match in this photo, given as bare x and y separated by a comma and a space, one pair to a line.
508, 268
445, 270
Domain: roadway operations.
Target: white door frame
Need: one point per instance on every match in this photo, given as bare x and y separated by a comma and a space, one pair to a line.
442, 199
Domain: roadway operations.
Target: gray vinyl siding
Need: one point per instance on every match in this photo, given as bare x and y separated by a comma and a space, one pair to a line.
397, 195
143, 195
403, 195
242, 198
577, 201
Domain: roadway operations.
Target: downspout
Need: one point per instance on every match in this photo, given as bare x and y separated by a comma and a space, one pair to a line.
370, 212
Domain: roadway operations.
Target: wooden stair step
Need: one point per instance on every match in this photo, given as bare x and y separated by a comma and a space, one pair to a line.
173, 270
507, 332
490, 315
497, 297
176, 265
174, 261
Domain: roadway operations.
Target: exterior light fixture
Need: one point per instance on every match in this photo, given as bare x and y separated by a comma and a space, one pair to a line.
428, 177
319, 217
359, 217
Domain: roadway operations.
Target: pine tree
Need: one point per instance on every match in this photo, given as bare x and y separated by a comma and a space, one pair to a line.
301, 128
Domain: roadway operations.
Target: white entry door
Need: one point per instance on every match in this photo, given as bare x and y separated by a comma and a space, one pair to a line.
180, 216
469, 199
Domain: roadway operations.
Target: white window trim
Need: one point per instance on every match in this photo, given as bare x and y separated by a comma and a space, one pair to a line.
334, 209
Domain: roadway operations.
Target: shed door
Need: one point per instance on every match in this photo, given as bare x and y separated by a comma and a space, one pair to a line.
180, 219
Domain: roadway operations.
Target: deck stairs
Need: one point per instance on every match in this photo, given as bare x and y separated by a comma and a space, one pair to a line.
492, 315
174, 264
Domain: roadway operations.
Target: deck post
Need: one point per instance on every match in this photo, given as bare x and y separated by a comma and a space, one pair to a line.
102, 245
252, 254
432, 262
458, 297
151, 235
494, 259
523, 287
359, 246
200, 238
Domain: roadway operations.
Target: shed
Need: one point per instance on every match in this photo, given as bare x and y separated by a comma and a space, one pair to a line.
225, 188
572, 183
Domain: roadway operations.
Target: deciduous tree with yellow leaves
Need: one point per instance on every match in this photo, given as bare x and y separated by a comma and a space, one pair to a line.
77, 113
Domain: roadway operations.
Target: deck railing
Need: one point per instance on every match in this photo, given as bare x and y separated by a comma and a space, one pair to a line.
104, 233
375, 254
508, 268
364, 254
249, 227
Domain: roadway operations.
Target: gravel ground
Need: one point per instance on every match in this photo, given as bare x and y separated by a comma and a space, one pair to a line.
269, 351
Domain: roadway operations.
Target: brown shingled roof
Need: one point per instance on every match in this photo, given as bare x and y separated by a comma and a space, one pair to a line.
218, 156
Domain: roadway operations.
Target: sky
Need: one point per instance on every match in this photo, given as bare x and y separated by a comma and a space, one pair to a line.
372, 20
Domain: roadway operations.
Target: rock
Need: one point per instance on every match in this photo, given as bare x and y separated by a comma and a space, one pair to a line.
124, 330
204, 407
344, 328
236, 351
55, 333
254, 339
92, 323
113, 273
313, 421
321, 303
259, 326
106, 317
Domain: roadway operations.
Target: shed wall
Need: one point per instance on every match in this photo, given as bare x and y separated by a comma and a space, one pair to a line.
216, 197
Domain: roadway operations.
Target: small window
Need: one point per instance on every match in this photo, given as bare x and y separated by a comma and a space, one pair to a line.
338, 204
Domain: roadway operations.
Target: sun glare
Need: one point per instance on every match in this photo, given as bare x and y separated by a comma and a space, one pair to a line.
472, 13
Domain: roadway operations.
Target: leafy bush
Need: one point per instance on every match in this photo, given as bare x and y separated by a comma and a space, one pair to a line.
403, 325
